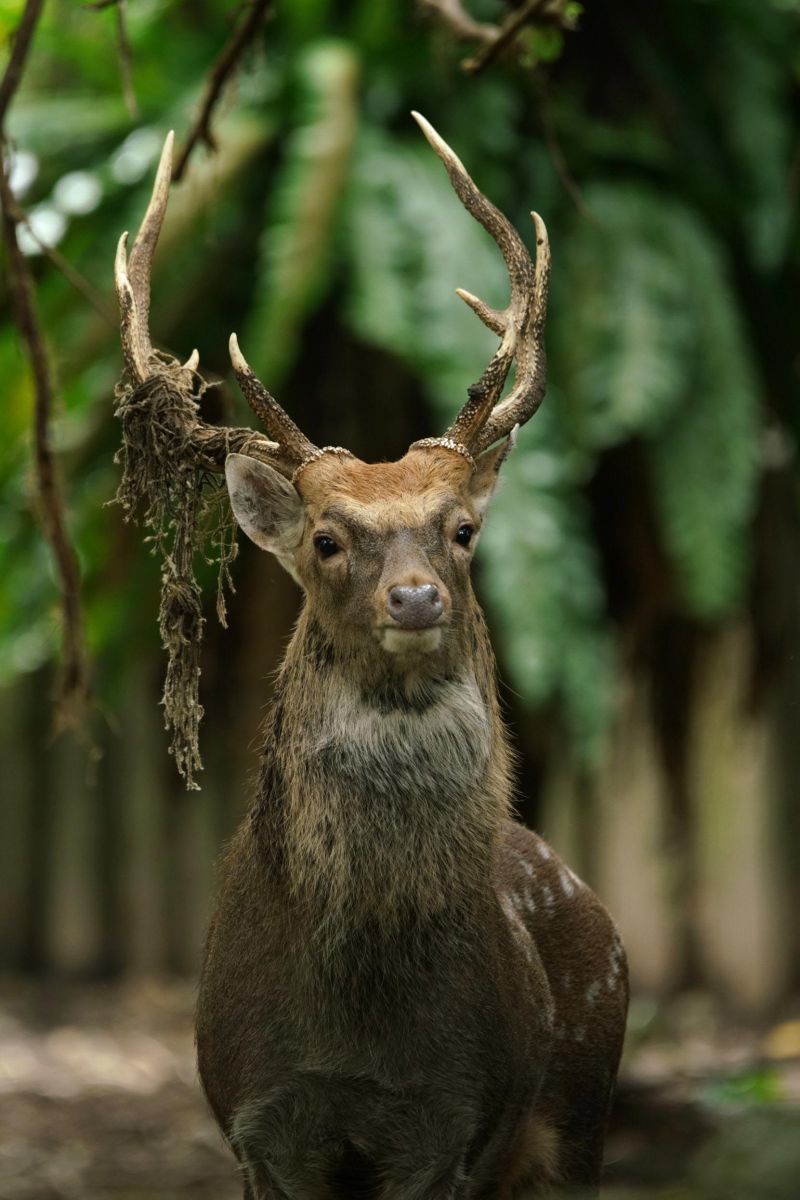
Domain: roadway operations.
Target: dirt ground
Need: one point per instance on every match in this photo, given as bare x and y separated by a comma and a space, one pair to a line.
99, 1101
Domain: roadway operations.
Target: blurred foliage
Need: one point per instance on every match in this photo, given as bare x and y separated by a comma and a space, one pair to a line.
677, 123
756, 1157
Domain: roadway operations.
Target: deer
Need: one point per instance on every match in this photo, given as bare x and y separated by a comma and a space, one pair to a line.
404, 992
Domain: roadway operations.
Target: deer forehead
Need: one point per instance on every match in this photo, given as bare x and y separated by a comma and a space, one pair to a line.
412, 493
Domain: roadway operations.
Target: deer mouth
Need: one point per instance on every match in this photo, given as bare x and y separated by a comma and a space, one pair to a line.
410, 641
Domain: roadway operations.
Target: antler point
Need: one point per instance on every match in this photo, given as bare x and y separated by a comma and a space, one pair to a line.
238, 360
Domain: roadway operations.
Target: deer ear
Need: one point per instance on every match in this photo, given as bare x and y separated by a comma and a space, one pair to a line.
487, 468
267, 506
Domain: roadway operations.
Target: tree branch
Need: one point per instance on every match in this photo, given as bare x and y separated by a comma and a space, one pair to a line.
126, 61
496, 38
73, 276
74, 688
531, 12
219, 75
19, 52
459, 22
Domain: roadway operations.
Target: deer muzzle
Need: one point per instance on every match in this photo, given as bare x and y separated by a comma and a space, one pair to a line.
417, 607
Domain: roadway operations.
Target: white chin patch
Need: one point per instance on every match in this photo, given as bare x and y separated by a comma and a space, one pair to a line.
411, 641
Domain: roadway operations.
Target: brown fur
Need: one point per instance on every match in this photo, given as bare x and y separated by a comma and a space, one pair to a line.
405, 993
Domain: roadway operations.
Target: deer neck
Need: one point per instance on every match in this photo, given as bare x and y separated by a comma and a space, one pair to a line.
384, 791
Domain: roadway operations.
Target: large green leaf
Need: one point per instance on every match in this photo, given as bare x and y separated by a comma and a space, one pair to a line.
648, 340
759, 125
296, 247
705, 461
621, 331
540, 573
410, 245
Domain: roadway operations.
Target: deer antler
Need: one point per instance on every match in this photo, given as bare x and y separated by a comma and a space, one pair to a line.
483, 420
167, 456
132, 277
278, 423
209, 444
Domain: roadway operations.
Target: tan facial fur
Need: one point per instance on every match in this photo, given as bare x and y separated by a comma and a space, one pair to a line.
392, 525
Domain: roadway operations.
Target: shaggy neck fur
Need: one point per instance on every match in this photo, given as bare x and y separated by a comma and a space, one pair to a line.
383, 788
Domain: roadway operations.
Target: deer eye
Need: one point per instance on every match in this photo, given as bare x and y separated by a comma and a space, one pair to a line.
326, 546
464, 534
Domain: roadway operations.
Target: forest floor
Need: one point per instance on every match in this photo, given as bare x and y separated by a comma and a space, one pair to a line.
99, 1101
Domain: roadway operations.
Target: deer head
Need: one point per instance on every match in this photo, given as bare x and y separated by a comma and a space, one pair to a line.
382, 550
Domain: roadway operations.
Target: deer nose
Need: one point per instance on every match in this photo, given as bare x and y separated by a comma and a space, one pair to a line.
415, 607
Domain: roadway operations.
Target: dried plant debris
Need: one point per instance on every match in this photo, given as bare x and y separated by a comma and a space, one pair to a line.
171, 485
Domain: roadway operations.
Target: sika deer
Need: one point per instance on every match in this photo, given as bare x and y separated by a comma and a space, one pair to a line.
405, 993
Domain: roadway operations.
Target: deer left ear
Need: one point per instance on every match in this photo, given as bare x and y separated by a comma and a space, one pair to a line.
487, 468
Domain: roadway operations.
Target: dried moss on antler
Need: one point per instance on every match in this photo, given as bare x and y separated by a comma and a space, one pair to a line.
171, 462
172, 489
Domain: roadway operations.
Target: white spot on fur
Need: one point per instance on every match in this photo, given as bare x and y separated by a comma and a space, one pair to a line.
592, 992
518, 927
545, 852
566, 879
547, 892
616, 958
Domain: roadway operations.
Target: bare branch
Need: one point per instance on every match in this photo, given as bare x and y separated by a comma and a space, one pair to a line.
74, 686
558, 158
19, 52
495, 39
452, 14
126, 60
73, 276
529, 13
219, 75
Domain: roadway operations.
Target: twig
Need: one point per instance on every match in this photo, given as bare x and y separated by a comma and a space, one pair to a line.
126, 60
496, 38
221, 71
558, 158
459, 22
74, 687
19, 52
541, 11
73, 276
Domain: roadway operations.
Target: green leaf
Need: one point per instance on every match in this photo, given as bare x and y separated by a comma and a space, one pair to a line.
296, 247
541, 576
621, 331
758, 123
648, 340
705, 461
410, 244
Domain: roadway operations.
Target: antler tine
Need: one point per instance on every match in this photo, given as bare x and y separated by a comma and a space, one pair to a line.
520, 325
531, 361
277, 423
132, 274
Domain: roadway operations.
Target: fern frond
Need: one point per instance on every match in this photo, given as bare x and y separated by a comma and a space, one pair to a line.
296, 247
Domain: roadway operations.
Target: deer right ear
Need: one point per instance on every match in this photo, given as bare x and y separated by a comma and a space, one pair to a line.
266, 505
